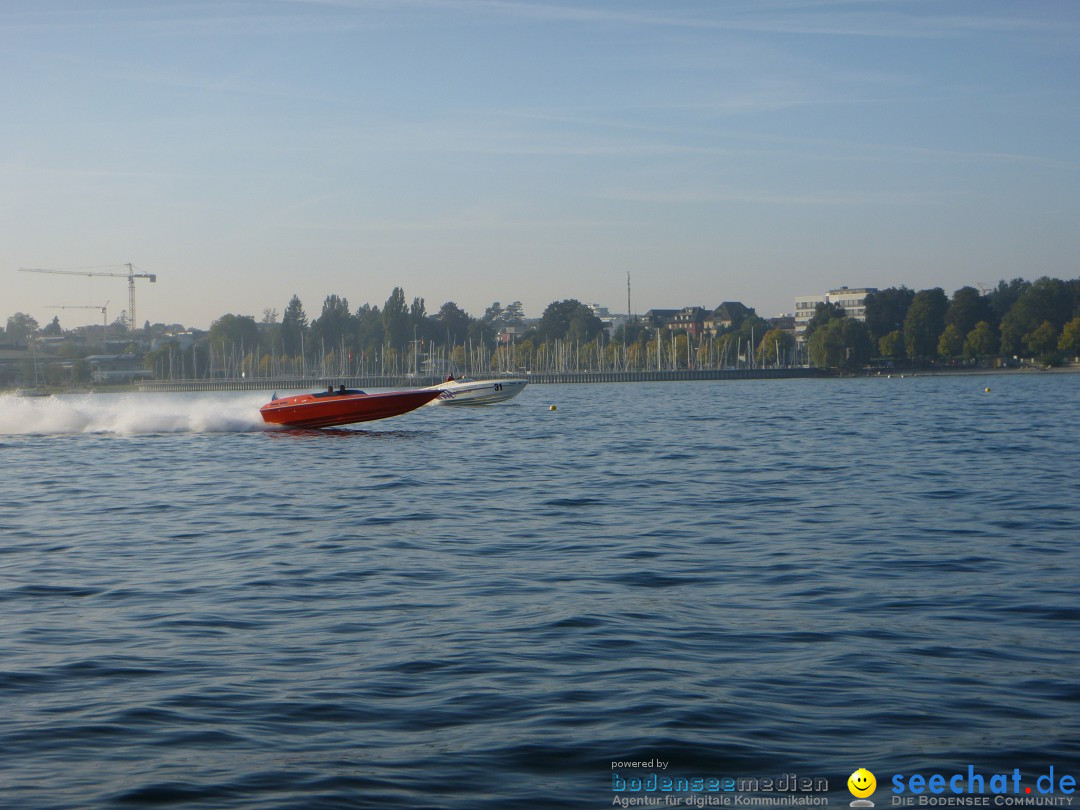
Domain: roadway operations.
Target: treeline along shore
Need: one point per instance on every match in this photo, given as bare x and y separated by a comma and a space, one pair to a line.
1017, 323
410, 380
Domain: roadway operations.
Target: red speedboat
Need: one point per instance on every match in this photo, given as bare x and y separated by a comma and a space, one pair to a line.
341, 407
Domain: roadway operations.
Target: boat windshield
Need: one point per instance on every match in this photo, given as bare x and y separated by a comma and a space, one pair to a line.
337, 392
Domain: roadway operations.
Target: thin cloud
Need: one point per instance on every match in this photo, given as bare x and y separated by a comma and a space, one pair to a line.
805, 19
762, 197
812, 19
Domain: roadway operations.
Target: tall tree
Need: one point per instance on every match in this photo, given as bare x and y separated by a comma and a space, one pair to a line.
892, 345
840, 343
417, 312
823, 314
370, 331
951, 342
584, 325
634, 331
1042, 339
1069, 342
967, 308
453, 323
773, 341
981, 342
513, 314
493, 315
1002, 298
500, 317
925, 322
294, 327
886, 310
562, 317
1047, 299
753, 326
396, 324
481, 333
334, 324
20, 327
237, 333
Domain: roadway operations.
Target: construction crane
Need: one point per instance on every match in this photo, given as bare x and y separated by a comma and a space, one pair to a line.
130, 275
104, 315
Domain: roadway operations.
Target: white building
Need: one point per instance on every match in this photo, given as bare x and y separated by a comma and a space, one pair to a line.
611, 321
852, 299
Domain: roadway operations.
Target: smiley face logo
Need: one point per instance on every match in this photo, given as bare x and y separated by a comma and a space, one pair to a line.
861, 783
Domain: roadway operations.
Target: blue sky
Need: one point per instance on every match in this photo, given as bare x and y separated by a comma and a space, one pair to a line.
483, 150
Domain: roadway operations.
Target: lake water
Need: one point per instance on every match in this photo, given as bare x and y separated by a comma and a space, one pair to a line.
487, 608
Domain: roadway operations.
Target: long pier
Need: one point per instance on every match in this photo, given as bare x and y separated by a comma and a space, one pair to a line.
419, 381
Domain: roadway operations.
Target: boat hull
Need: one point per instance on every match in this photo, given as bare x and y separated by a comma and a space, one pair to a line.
332, 410
477, 392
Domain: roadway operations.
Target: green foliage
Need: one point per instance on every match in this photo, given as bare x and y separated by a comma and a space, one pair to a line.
967, 308
514, 314
752, 327
584, 325
924, 323
771, 342
370, 332
825, 348
20, 327
1069, 342
499, 317
951, 342
335, 324
1002, 298
981, 342
453, 322
630, 332
1047, 300
1037, 319
395, 317
480, 333
158, 359
1012, 334
569, 320
842, 343
823, 314
1042, 339
235, 332
885, 311
294, 325
417, 313
892, 345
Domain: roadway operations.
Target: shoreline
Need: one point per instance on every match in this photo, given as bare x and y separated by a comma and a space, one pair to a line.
545, 378
972, 372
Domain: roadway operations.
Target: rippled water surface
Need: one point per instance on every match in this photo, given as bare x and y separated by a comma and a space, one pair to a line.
484, 608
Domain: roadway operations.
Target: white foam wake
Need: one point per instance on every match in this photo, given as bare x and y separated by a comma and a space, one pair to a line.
131, 414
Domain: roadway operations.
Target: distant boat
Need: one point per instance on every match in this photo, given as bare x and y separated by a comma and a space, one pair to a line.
32, 392
341, 407
467, 391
